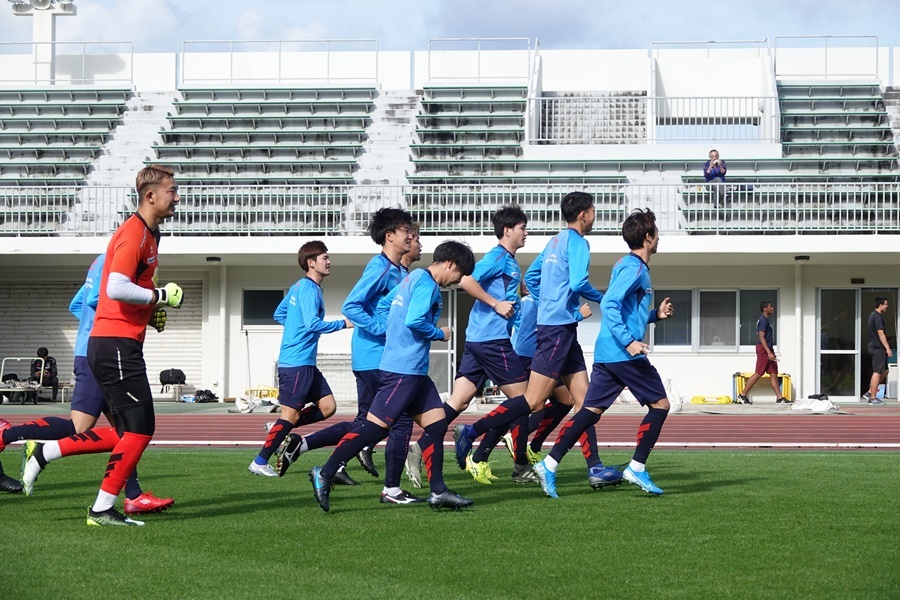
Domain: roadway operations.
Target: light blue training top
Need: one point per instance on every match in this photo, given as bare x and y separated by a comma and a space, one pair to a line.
84, 304
411, 312
301, 313
559, 276
499, 275
378, 278
626, 310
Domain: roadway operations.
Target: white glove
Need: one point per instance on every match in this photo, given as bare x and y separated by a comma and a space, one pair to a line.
170, 295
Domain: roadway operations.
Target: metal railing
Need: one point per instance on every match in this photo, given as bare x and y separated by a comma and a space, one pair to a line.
279, 61
711, 45
480, 72
821, 53
88, 64
635, 119
463, 210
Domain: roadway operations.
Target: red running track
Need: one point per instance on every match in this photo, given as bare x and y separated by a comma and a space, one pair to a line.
870, 430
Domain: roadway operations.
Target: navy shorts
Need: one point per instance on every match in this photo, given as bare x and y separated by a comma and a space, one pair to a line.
298, 386
558, 351
87, 396
404, 394
367, 384
526, 365
495, 360
119, 368
609, 379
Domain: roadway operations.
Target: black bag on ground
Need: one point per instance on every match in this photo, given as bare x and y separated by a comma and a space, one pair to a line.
172, 377
205, 396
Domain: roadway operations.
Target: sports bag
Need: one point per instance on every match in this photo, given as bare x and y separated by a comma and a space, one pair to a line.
172, 377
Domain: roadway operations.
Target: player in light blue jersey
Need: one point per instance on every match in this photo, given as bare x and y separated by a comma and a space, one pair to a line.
559, 279
488, 352
300, 382
620, 357
411, 311
392, 229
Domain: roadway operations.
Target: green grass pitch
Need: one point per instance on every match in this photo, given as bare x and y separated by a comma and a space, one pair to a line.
747, 524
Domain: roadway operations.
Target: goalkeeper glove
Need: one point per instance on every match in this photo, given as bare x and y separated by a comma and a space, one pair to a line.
170, 295
158, 319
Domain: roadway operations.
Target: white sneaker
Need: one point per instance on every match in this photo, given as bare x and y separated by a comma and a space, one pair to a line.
32, 469
265, 470
414, 465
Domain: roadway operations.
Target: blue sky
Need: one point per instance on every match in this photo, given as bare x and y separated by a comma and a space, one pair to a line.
161, 25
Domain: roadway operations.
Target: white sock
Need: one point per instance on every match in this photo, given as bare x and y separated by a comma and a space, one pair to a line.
395, 491
551, 464
51, 451
104, 501
637, 467
304, 447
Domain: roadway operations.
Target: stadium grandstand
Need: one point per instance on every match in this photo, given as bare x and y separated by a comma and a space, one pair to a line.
276, 143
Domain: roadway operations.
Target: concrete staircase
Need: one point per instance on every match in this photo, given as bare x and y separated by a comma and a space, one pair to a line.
892, 104
127, 148
105, 199
385, 158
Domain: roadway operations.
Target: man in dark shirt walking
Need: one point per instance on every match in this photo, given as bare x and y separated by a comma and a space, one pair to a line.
765, 355
879, 349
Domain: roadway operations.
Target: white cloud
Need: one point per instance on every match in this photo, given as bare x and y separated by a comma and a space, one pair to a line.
162, 25
249, 25
146, 23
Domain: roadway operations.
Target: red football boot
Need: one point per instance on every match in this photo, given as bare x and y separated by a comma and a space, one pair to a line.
147, 503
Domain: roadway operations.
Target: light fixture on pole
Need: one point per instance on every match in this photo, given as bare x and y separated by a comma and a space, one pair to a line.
802, 259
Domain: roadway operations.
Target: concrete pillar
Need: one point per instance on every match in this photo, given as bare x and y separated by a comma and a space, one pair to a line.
43, 35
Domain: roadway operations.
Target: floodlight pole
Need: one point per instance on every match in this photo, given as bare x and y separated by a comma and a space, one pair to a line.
43, 35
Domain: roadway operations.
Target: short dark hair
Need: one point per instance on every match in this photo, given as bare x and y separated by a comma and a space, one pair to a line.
310, 251
508, 216
764, 305
150, 176
879, 301
43, 352
456, 252
573, 204
386, 220
636, 227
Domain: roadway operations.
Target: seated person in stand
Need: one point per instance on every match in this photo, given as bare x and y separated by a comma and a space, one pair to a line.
714, 172
45, 371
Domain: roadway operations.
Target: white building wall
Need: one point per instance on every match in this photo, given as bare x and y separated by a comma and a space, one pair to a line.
835, 62
446, 67
678, 72
596, 70
688, 75
155, 72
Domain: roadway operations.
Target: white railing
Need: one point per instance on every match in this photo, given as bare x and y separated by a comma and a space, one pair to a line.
819, 60
259, 62
711, 46
67, 63
635, 119
489, 62
463, 210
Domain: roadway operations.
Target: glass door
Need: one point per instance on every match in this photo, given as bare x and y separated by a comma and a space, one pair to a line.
867, 305
442, 358
839, 346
